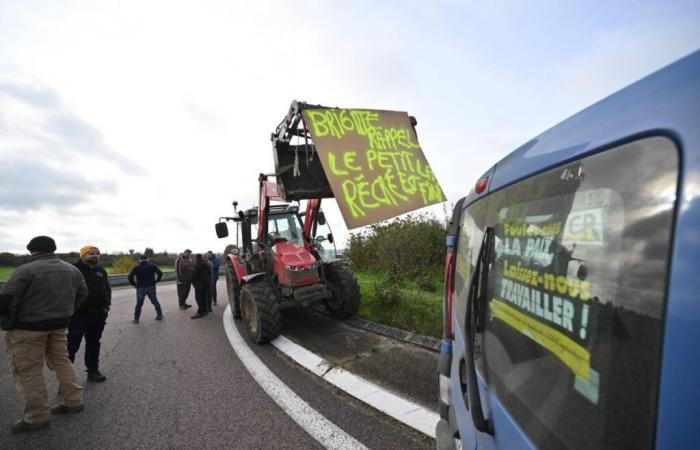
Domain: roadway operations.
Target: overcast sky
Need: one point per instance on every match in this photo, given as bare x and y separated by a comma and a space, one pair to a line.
134, 124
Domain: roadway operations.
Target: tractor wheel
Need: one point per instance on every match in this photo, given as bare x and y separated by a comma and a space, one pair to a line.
234, 292
346, 292
260, 308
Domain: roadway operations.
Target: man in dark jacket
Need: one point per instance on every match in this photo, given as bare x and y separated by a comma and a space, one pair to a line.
201, 280
144, 278
216, 265
45, 292
183, 273
90, 319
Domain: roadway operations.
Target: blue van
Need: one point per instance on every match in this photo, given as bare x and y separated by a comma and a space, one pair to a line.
572, 282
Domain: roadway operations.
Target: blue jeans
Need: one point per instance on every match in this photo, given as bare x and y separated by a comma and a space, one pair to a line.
141, 294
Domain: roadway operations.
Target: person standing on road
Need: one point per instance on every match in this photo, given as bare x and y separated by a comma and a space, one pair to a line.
208, 289
216, 265
90, 319
201, 280
147, 275
44, 293
183, 272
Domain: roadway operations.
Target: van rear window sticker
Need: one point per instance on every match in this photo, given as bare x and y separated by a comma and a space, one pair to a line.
542, 292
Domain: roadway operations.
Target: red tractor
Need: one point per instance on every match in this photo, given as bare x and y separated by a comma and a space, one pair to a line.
283, 258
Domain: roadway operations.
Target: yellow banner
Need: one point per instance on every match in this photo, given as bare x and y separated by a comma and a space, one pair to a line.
577, 358
373, 163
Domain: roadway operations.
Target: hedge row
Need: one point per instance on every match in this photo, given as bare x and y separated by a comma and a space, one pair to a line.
407, 247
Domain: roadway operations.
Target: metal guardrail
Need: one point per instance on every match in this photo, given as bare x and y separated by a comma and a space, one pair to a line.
123, 280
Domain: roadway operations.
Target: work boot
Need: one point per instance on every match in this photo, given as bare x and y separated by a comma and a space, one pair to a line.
21, 426
96, 377
159, 317
62, 409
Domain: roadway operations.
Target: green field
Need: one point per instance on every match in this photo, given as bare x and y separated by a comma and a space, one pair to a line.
5, 272
407, 307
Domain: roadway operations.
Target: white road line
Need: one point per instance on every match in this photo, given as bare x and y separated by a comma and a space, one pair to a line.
323, 430
406, 411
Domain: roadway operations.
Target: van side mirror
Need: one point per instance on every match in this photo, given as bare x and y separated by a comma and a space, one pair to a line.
321, 218
221, 230
330, 237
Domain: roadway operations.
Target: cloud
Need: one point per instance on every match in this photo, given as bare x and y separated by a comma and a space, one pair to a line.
31, 94
201, 115
616, 58
33, 117
28, 185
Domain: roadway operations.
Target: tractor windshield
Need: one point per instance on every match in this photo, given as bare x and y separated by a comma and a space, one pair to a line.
285, 226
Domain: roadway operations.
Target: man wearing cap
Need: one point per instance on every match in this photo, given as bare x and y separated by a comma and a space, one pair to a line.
90, 319
144, 278
45, 293
183, 272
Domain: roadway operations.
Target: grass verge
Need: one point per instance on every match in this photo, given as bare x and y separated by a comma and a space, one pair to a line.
404, 304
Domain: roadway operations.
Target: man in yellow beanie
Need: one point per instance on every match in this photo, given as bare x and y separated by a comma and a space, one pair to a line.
90, 319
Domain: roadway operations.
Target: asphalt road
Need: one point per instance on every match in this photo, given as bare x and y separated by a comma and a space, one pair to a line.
178, 384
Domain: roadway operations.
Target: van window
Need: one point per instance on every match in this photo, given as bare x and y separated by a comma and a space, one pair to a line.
471, 229
575, 298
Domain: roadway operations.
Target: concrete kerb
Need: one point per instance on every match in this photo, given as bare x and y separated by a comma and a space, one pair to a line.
427, 342
319, 427
378, 397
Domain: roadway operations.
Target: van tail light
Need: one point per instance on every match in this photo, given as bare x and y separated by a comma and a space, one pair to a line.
450, 259
481, 185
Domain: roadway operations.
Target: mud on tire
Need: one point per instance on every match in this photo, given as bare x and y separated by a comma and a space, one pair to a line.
260, 309
346, 291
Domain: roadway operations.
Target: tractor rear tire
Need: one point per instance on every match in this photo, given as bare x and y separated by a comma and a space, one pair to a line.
260, 308
346, 291
234, 292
